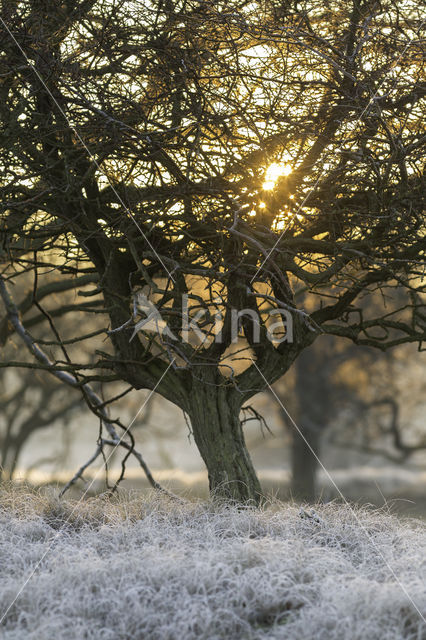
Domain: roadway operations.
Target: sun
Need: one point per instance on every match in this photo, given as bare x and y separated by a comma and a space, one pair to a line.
273, 172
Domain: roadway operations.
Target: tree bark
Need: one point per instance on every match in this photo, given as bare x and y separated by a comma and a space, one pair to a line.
214, 412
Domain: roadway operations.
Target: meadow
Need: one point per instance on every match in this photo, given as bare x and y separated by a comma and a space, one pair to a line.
136, 567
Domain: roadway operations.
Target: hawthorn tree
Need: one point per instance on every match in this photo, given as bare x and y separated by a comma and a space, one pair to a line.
205, 164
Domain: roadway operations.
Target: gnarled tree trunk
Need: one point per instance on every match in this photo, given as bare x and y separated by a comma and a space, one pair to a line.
214, 412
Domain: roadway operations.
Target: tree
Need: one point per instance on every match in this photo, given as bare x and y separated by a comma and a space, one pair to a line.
313, 396
206, 162
342, 395
26, 407
388, 411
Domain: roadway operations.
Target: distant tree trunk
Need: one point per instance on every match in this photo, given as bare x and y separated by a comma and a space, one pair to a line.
312, 387
304, 464
10, 449
214, 412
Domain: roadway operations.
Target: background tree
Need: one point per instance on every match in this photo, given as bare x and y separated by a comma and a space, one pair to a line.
389, 411
313, 397
351, 399
27, 405
215, 157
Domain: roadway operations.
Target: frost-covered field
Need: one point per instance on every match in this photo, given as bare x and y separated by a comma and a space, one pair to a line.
147, 568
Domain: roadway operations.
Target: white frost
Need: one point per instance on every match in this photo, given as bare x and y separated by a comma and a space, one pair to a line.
142, 568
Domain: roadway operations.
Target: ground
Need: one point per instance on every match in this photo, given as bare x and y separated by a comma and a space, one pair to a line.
145, 567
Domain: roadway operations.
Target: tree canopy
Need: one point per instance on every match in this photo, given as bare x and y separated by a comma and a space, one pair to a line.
220, 161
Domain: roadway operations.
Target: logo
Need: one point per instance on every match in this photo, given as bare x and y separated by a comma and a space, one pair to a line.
199, 325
